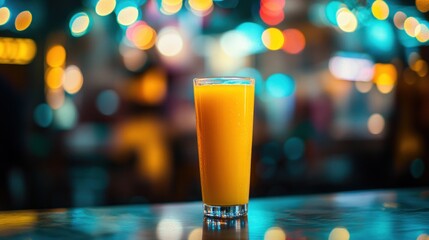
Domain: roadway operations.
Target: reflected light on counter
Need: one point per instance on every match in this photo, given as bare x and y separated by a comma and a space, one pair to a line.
169, 229
385, 76
23, 20
201, 7
339, 233
153, 86
196, 234
141, 35
399, 19
275, 233
55, 98
133, 58
351, 66
280, 85
422, 5
79, 24
43, 115
170, 7
53, 77
376, 124
294, 41
66, 116
410, 25
105, 7
56, 56
346, 20
363, 87
72, 79
273, 39
169, 42
4, 15
127, 15
107, 102
380, 9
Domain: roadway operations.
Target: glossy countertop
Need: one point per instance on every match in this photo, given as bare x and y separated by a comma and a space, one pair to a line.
375, 214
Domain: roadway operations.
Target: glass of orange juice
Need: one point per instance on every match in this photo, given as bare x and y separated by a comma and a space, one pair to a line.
224, 110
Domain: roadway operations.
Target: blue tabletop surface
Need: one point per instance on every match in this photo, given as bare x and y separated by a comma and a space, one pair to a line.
381, 214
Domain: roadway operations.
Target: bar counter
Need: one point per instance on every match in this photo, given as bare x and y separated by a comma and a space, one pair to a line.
374, 214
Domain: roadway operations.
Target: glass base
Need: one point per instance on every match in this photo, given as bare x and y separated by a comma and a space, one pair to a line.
225, 211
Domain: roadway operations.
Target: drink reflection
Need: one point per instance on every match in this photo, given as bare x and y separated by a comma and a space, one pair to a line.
215, 228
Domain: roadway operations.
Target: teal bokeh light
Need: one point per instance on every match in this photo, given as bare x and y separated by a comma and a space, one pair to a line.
294, 148
43, 115
280, 85
380, 39
331, 11
253, 32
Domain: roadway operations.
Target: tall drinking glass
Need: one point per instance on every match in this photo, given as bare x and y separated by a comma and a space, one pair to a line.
224, 109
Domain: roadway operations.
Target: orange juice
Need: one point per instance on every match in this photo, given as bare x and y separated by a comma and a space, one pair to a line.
224, 129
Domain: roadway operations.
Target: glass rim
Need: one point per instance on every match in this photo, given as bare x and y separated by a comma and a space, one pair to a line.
226, 80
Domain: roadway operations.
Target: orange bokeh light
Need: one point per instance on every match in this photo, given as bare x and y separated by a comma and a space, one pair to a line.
294, 41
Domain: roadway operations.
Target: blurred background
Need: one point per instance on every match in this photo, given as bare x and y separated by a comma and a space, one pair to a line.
97, 102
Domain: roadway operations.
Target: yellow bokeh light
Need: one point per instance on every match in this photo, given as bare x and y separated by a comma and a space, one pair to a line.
201, 5
17, 50
399, 19
53, 77
422, 5
275, 233
385, 76
4, 15
128, 16
410, 26
105, 7
170, 7
27, 50
339, 233
153, 86
273, 39
56, 56
80, 25
73, 79
196, 234
376, 124
420, 67
143, 36
422, 33
23, 20
346, 20
55, 98
380, 9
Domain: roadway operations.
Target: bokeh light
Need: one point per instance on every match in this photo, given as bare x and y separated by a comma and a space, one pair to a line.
170, 7
66, 116
275, 233
294, 148
153, 86
420, 66
271, 11
43, 115
363, 87
169, 42
133, 58
4, 15
423, 236
399, 19
105, 7
235, 43
380, 9
331, 11
280, 85
253, 32
339, 233
352, 66
169, 229
72, 79
417, 168
53, 77
107, 102
141, 35
410, 26
201, 7
376, 124
422, 33
56, 56
17, 50
346, 20
422, 5
128, 15
294, 41
385, 76
273, 39
55, 98
79, 24
196, 234
23, 20
380, 39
